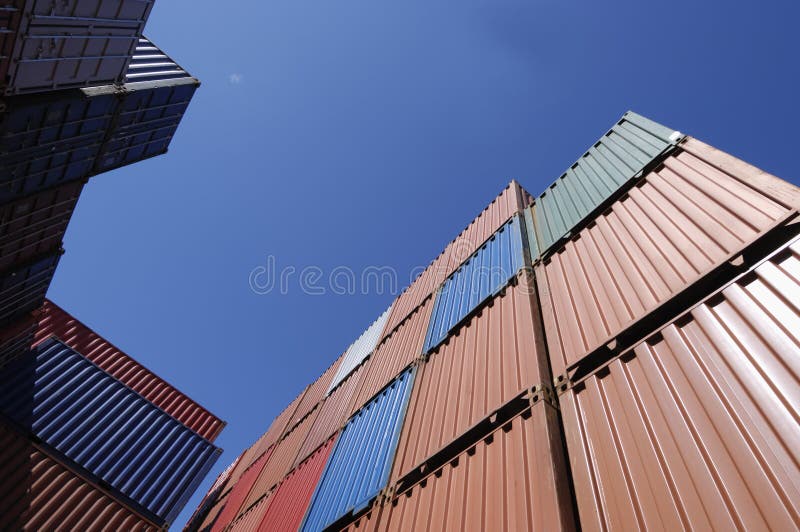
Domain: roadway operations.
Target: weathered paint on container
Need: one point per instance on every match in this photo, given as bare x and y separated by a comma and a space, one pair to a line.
35, 224
23, 288
16, 338
48, 46
480, 277
360, 349
316, 392
281, 460
105, 427
334, 411
289, 502
360, 463
514, 479
496, 356
510, 201
239, 492
619, 155
696, 427
396, 351
684, 218
55, 321
37, 492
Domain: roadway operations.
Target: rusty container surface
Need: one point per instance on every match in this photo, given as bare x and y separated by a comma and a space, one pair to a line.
289, 502
281, 460
513, 479
397, 350
510, 201
495, 357
37, 492
687, 216
697, 426
240, 491
55, 321
315, 393
334, 411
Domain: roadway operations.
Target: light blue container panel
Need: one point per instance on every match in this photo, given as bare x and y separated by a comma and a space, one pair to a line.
620, 154
360, 463
105, 428
480, 277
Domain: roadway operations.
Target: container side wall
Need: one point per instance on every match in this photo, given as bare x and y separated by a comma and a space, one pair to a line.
17, 338
239, 492
360, 349
316, 392
23, 288
250, 520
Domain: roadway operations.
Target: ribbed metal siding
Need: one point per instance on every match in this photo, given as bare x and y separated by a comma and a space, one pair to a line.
697, 427
55, 321
360, 349
151, 64
23, 289
360, 463
239, 492
39, 493
315, 392
683, 219
56, 45
613, 160
106, 428
250, 520
480, 277
16, 338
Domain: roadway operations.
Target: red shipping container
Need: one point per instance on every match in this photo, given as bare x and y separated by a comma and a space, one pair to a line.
239, 493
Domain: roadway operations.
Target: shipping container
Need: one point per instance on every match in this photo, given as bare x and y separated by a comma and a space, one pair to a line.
55, 321
696, 210
480, 277
22, 289
696, 427
333, 414
50, 45
37, 492
33, 225
623, 153
16, 338
315, 393
359, 466
239, 492
105, 428
213, 514
515, 478
250, 520
396, 351
510, 201
281, 460
211, 498
289, 502
360, 349
496, 357
156, 94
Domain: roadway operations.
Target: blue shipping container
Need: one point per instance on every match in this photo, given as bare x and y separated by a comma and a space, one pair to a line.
481, 276
105, 428
24, 288
360, 463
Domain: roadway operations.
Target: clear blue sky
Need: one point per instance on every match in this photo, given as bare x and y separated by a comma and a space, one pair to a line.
370, 133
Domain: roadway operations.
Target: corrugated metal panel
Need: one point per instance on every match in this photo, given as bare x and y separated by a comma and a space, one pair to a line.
56, 45
211, 497
16, 338
360, 349
213, 514
481, 276
22, 290
511, 200
359, 465
697, 427
686, 217
151, 64
55, 321
516, 479
35, 224
395, 353
497, 355
239, 492
39, 493
333, 413
615, 158
281, 460
289, 502
106, 428
316, 392
252, 518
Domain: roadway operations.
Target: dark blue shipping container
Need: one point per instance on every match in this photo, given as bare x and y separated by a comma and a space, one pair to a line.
480, 277
360, 463
23, 289
105, 428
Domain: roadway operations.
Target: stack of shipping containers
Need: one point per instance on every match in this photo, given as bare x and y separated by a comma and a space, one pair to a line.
91, 439
619, 352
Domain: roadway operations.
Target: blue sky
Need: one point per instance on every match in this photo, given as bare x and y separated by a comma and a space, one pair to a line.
359, 133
